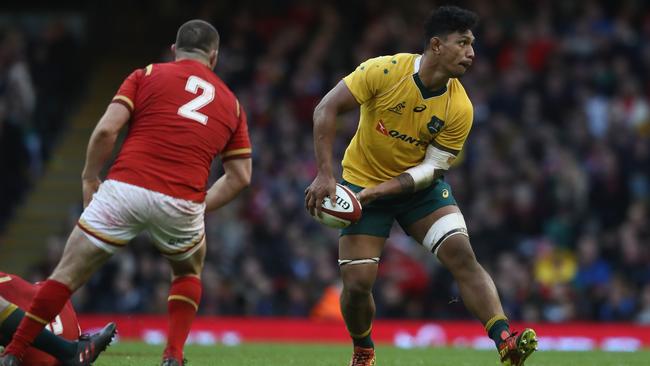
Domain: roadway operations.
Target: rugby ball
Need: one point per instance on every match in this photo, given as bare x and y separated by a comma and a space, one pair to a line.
346, 211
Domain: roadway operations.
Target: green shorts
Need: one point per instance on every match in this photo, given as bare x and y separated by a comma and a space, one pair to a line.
378, 216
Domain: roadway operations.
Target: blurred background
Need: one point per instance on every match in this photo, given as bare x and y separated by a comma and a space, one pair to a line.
554, 181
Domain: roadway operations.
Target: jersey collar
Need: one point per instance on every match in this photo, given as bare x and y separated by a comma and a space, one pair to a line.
426, 93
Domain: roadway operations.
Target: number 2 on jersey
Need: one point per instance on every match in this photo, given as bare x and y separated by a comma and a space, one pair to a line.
190, 109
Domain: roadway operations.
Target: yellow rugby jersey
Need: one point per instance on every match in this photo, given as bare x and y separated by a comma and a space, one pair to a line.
400, 118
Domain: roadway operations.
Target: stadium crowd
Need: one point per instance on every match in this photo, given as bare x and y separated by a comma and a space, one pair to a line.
36, 64
554, 180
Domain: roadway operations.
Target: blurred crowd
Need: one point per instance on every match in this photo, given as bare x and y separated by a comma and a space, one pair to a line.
40, 76
554, 181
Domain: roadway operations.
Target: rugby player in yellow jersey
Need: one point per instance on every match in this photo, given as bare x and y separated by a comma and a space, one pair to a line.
415, 118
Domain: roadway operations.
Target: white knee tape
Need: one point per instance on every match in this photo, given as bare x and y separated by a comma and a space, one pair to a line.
446, 226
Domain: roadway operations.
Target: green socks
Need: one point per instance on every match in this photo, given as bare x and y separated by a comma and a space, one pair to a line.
46, 341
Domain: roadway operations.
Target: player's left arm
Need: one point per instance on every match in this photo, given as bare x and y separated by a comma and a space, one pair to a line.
237, 165
237, 176
440, 154
100, 147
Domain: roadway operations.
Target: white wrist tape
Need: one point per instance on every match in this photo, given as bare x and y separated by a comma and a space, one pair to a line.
434, 159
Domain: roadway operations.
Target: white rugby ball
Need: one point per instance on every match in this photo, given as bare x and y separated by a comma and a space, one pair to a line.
346, 211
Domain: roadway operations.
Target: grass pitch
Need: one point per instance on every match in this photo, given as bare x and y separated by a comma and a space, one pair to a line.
140, 354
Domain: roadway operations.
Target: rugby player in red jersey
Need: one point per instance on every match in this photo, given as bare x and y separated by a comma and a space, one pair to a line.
60, 342
181, 116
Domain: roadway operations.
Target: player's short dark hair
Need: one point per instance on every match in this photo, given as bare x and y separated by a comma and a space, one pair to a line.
448, 19
195, 35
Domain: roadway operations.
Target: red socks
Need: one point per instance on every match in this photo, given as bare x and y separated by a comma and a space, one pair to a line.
48, 302
183, 302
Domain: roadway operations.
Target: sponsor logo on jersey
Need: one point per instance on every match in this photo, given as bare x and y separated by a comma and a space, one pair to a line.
435, 125
399, 108
381, 128
398, 135
420, 108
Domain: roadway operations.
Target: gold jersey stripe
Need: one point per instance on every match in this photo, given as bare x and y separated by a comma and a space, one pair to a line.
247, 150
238, 108
36, 318
125, 100
148, 70
103, 237
184, 298
4, 314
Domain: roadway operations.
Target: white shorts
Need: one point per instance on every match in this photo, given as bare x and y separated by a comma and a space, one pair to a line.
120, 211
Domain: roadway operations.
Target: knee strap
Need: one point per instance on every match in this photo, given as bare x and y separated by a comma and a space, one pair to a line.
343, 262
446, 226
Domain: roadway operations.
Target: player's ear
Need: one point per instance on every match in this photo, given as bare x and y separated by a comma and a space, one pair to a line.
173, 49
214, 54
434, 45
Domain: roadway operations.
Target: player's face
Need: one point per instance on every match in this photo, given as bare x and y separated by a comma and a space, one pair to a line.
457, 53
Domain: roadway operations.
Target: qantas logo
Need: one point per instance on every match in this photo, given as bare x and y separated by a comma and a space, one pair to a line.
398, 135
381, 128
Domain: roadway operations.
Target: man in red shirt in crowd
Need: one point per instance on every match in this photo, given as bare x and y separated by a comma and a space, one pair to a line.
60, 340
181, 117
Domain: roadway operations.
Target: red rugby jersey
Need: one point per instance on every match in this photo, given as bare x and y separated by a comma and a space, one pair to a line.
20, 293
182, 117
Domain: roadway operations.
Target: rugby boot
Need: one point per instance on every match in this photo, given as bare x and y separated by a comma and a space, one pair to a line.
90, 346
173, 362
516, 348
363, 357
9, 360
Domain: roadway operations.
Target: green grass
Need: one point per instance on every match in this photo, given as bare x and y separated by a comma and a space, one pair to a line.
139, 354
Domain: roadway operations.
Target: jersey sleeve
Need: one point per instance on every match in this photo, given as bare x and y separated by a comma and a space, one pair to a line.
454, 135
126, 93
239, 146
370, 78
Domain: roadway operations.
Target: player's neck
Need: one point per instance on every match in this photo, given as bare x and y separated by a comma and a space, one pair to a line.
430, 75
181, 57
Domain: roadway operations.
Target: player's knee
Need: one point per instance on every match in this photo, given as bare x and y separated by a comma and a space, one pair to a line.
356, 289
458, 254
358, 281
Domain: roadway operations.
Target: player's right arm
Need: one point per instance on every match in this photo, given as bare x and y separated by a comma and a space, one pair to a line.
100, 147
102, 140
335, 102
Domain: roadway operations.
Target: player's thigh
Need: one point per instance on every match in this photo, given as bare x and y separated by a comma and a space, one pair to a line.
190, 266
177, 228
81, 258
115, 215
358, 260
444, 233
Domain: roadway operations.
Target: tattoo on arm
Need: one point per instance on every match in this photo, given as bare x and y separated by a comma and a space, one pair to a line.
406, 182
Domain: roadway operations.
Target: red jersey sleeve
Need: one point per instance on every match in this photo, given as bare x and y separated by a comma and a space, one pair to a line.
126, 94
239, 146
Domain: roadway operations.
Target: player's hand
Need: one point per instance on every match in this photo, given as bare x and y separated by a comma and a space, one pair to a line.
365, 196
323, 186
88, 188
